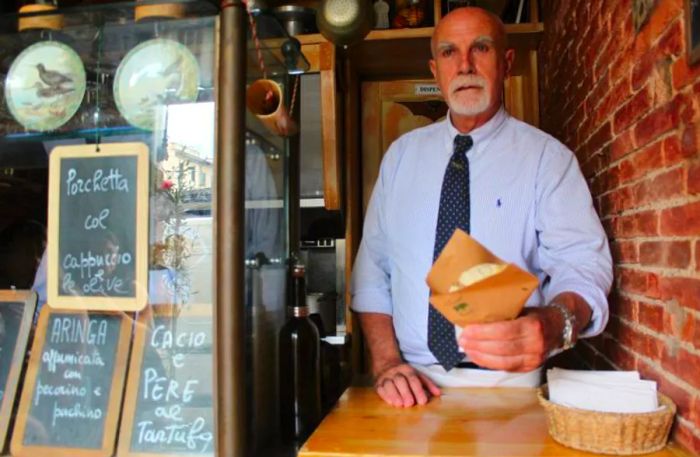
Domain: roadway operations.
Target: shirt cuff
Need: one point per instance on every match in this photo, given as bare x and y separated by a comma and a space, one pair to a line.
371, 301
595, 299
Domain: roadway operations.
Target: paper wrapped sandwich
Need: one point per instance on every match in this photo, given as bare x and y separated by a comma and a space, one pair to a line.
469, 285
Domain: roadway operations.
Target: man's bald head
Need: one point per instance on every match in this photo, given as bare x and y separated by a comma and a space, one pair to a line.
470, 62
465, 14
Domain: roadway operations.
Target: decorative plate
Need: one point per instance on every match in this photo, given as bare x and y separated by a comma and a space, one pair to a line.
155, 73
45, 86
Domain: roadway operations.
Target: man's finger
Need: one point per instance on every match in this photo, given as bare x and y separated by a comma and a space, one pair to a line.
404, 389
416, 386
503, 330
388, 392
503, 348
518, 363
432, 387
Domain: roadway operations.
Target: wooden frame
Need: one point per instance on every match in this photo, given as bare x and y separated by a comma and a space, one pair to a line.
692, 30
143, 325
19, 449
28, 298
110, 303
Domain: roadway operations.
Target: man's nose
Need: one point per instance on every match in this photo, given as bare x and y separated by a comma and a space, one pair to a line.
466, 64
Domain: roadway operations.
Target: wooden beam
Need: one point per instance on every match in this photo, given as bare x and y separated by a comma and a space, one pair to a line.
329, 128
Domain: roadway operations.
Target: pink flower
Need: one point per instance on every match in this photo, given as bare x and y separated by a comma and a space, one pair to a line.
166, 185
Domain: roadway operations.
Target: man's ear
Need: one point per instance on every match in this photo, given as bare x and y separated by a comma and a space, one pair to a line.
433, 68
509, 57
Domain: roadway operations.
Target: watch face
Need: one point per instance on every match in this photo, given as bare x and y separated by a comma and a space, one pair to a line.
155, 73
45, 86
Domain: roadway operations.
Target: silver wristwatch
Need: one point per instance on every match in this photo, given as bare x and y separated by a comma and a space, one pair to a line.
568, 339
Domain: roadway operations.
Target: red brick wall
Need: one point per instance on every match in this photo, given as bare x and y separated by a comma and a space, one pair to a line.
628, 104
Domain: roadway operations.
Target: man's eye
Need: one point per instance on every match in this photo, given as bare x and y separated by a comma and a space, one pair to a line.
447, 52
481, 47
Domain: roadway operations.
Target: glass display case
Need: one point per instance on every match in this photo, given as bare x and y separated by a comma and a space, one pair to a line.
99, 82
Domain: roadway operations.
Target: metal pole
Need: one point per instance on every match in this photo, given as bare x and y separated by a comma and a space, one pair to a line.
229, 233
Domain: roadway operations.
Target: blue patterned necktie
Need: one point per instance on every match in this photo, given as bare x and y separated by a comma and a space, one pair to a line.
453, 214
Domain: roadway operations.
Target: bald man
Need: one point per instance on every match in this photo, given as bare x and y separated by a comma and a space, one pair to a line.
515, 189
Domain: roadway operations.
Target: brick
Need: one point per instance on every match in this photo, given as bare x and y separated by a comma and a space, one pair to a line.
680, 220
621, 67
617, 351
651, 316
660, 82
682, 364
664, 13
685, 291
619, 93
672, 254
693, 180
682, 74
683, 109
697, 255
654, 124
641, 163
593, 165
689, 143
642, 69
622, 145
673, 151
639, 224
632, 110
600, 138
639, 282
687, 438
624, 251
690, 364
680, 396
660, 55
625, 307
660, 188
690, 331
597, 94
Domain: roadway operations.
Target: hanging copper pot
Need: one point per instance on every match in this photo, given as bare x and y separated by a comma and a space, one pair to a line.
265, 100
344, 22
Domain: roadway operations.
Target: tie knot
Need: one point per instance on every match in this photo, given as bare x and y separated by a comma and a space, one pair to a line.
463, 143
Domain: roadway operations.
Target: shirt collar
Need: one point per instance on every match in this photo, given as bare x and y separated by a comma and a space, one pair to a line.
480, 135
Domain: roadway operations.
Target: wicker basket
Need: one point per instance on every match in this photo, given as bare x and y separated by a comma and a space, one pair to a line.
609, 433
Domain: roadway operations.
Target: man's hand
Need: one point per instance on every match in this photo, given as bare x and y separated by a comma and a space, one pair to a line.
401, 385
518, 345
524, 343
397, 382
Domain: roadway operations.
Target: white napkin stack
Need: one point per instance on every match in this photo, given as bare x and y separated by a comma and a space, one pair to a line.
606, 391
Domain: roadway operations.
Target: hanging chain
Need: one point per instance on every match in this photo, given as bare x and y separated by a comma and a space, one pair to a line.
294, 94
97, 89
256, 40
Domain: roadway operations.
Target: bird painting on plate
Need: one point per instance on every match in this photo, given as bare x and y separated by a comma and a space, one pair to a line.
52, 78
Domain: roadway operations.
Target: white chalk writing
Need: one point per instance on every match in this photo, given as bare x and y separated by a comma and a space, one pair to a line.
54, 358
78, 330
112, 181
189, 434
77, 411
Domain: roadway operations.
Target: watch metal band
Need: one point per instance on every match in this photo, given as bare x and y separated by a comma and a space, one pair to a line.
567, 334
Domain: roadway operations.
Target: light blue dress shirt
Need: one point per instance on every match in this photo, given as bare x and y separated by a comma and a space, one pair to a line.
530, 206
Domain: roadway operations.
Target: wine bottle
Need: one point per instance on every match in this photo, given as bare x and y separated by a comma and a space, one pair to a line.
300, 373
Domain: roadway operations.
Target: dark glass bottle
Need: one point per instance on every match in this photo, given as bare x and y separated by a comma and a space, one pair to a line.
300, 371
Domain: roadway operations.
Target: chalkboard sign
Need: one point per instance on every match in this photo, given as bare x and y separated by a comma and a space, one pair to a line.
73, 390
98, 227
16, 316
168, 407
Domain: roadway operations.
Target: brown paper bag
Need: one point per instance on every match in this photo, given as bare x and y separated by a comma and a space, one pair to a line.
496, 298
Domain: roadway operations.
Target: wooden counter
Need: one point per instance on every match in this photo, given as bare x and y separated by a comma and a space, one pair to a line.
463, 422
